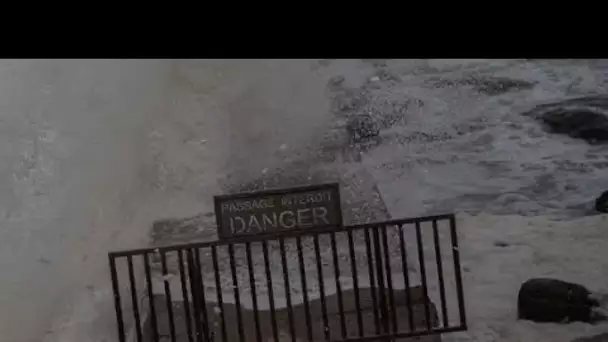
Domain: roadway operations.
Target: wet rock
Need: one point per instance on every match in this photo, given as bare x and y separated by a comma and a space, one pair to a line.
420, 137
336, 81
385, 75
581, 118
552, 300
601, 203
595, 338
325, 62
488, 85
378, 63
362, 128
44, 261
584, 124
497, 86
348, 101
376, 99
183, 230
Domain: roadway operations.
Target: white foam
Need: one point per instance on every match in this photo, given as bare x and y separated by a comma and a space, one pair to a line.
575, 251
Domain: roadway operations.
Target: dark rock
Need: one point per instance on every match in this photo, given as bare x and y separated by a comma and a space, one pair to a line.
595, 338
500, 85
552, 300
424, 137
348, 101
601, 203
361, 128
488, 85
325, 62
581, 118
501, 244
336, 81
384, 75
585, 124
378, 63
183, 230
44, 260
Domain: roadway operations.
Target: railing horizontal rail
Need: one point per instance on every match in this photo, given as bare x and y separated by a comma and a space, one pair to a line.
276, 234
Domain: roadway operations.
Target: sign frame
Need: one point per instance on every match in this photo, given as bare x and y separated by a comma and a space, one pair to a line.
223, 232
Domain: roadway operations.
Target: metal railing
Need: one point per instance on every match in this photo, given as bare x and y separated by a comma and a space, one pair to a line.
372, 282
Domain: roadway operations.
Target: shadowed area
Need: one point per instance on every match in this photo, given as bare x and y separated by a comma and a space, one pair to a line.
370, 324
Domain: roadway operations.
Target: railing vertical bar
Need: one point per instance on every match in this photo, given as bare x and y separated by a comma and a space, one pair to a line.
456, 256
444, 308
427, 310
254, 296
273, 317
334, 250
134, 302
203, 296
389, 279
182, 278
383, 298
220, 297
321, 287
117, 302
196, 302
406, 278
153, 319
304, 288
287, 285
353, 264
372, 278
169, 301
237, 296
381, 285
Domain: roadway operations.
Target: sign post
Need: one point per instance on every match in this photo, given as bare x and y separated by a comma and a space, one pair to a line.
276, 210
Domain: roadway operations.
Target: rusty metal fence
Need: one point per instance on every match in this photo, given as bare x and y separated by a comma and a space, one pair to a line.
372, 282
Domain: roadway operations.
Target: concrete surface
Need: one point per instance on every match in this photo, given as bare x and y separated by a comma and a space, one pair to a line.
333, 329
